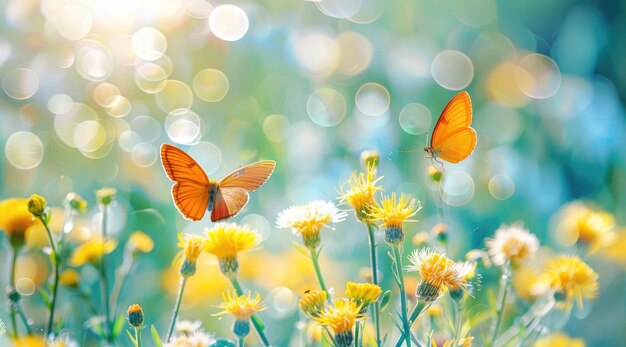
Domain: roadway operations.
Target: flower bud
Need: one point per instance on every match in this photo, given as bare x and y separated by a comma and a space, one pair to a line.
37, 205
135, 316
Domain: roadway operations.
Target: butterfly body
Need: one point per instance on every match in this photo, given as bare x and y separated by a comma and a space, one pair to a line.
194, 193
453, 138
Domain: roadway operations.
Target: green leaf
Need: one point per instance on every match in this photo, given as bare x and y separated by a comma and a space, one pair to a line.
155, 336
44, 297
223, 343
301, 249
130, 336
118, 325
384, 302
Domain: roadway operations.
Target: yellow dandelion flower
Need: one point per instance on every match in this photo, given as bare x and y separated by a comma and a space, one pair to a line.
558, 339
192, 246
393, 213
524, 280
360, 192
437, 273
29, 341
91, 251
313, 303
340, 318
512, 243
69, 278
139, 242
242, 307
307, 220
570, 279
363, 294
15, 219
225, 240
587, 225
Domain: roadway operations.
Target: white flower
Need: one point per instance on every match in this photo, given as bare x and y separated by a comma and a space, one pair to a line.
198, 338
512, 243
187, 327
313, 215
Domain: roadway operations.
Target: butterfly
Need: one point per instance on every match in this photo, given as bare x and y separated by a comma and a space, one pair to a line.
453, 139
194, 193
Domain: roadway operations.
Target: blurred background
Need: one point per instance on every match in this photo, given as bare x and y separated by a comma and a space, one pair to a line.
91, 89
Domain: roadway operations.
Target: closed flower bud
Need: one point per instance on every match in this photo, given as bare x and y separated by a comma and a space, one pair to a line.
105, 196
135, 316
370, 158
37, 205
76, 202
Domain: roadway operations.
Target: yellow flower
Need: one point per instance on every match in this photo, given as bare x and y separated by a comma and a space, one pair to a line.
307, 220
69, 278
363, 294
313, 303
524, 281
225, 240
29, 341
435, 175
37, 205
192, 246
105, 196
360, 192
15, 219
393, 213
76, 202
341, 316
370, 158
140, 242
512, 243
420, 239
587, 225
570, 279
91, 251
464, 342
241, 307
617, 250
558, 339
437, 272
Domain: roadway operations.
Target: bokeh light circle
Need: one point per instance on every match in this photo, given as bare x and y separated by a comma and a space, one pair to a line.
148, 128
60, 103
183, 126
501, 187
20, 83
208, 156
210, 85
149, 43
105, 94
120, 107
73, 22
260, 224
150, 77
65, 123
538, 76
174, 95
452, 70
128, 139
24, 150
372, 99
415, 119
326, 107
93, 60
457, 188
228, 22
25, 286
89, 136
283, 301
144, 155
339, 8
356, 53
276, 127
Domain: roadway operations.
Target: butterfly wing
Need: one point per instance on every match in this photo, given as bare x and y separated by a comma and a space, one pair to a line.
453, 138
249, 177
191, 185
228, 202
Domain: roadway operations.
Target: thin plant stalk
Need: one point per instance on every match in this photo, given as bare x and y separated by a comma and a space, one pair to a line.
138, 336
120, 278
315, 259
375, 309
12, 283
240, 341
458, 325
104, 283
357, 331
538, 310
397, 255
179, 299
419, 308
256, 321
56, 259
505, 281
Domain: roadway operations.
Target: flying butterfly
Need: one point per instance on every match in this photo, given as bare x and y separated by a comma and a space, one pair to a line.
453, 138
194, 193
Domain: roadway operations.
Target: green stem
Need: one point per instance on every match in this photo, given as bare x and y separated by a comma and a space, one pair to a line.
417, 311
179, 299
375, 310
104, 283
502, 294
20, 311
357, 331
240, 340
256, 321
56, 259
397, 254
12, 284
138, 336
120, 277
458, 315
315, 259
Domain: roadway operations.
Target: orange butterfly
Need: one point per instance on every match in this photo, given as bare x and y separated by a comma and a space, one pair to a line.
194, 193
453, 139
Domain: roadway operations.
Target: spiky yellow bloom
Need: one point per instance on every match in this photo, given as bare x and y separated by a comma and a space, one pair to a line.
105, 196
313, 303
512, 243
139, 242
69, 278
559, 339
570, 279
587, 225
192, 246
340, 318
225, 240
307, 220
392, 213
437, 272
242, 307
91, 251
363, 294
524, 281
360, 192
15, 219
